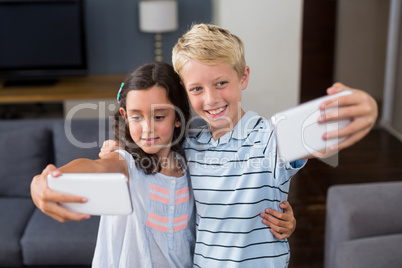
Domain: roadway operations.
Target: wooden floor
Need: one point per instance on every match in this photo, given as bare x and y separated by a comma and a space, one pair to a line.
375, 158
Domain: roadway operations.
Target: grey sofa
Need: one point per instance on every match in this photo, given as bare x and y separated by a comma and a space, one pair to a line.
364, 226
27, 236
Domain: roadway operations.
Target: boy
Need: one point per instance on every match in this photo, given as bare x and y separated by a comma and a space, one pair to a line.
235, 171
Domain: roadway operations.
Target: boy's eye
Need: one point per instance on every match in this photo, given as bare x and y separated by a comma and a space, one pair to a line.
196, 89
221, 84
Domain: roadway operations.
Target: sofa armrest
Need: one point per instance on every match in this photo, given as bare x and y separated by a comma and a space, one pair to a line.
361, 210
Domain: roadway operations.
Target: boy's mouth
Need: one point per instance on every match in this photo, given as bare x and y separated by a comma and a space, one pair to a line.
217, 111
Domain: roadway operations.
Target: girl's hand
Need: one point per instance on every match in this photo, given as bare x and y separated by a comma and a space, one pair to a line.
108, 146
360, 107
48, 201
282, 224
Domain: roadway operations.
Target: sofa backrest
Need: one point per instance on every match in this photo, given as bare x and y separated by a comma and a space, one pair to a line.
27, 146
80, 138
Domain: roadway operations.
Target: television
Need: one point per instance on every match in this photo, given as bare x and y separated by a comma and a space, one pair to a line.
41, 41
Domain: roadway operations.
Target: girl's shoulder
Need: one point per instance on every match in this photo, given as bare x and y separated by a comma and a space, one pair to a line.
133, 171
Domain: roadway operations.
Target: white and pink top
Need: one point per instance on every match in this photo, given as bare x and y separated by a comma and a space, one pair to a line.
161, 230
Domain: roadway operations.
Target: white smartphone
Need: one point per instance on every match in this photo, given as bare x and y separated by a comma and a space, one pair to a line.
298, 133
107, 193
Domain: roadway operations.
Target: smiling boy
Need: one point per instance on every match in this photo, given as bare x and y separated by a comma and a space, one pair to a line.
234, 168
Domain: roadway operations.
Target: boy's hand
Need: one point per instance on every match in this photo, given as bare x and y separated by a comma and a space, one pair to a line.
48, 201
282, 224
360, 107
108, 146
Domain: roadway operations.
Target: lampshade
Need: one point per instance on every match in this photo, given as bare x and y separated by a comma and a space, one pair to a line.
158, 16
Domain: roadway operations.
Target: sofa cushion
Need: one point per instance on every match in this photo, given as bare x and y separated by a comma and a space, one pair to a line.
49, 242
80, 138
25, 153
373, 252
14, 215
361, 210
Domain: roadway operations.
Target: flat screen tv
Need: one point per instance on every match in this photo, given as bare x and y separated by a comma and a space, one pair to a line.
41, 40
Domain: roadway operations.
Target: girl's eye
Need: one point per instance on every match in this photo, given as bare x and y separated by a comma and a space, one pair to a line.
135, 118
159, 117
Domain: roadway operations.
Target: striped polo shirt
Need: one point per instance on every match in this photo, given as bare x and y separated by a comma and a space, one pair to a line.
234, 179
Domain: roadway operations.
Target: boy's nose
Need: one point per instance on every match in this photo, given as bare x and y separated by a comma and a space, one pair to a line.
212, 97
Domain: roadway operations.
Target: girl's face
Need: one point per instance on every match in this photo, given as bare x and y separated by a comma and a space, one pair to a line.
151, 119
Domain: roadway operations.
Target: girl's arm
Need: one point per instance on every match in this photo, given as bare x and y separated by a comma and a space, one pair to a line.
112, 163
282, 224
48, 201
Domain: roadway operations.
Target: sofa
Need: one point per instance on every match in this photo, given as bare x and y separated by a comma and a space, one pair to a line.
364, 226
29, 238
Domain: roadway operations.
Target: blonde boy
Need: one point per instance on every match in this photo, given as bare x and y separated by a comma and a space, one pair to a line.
234, 168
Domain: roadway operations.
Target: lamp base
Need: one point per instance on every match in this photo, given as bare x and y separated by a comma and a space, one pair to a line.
158, 47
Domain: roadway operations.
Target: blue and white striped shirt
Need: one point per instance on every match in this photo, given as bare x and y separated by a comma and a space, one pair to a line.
234, 179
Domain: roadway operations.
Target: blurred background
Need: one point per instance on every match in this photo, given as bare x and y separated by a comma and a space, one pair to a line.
295, 50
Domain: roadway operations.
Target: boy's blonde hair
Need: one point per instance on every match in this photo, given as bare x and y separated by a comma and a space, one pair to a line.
209, 44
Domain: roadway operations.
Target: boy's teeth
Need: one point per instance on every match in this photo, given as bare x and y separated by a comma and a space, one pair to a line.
217, 111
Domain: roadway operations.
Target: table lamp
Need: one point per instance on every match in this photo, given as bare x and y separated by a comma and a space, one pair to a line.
158, 16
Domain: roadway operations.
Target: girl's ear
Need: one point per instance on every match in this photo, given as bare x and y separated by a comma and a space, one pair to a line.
123, 113
177, 123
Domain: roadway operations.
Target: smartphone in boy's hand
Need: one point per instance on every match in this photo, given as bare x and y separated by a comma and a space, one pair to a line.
299, 133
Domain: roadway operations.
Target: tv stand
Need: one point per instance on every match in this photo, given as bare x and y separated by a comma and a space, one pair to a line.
66, 88
30, 82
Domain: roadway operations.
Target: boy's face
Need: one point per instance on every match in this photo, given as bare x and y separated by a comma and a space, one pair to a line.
215, 93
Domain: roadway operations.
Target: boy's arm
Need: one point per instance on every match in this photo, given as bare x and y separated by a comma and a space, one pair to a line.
48, 201
107, 147
359, 106
282, 224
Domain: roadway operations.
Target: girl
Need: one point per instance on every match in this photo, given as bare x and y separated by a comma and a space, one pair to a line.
149, 126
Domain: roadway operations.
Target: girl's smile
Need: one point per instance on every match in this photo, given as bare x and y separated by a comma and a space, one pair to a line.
150, 141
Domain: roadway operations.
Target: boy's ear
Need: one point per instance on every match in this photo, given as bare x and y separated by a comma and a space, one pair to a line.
245, 77
123, 113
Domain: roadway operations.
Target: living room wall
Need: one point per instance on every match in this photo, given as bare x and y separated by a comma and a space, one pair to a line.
115, 43
361, 41
271, 32
270, 29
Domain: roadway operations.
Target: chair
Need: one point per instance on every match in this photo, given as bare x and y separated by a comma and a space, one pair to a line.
364, 226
